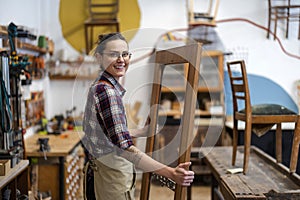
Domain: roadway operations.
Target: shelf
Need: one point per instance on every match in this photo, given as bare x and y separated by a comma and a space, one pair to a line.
30, 47
16, 179
182, 89
71, 70
71, 77
197, 113
3, 49
22, 45
172, 89
3, 31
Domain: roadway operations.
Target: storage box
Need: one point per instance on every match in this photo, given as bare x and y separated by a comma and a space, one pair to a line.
4, 167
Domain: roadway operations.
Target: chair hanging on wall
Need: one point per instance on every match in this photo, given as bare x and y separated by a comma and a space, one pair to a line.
204, 18
258, 118
102, 13
282, 10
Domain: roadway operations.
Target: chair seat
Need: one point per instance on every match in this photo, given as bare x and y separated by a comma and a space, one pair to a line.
95, 22
270, 109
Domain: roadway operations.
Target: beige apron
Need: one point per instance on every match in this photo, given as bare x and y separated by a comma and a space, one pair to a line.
114, 178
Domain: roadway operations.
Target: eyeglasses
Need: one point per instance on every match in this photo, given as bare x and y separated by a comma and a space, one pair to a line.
115, 54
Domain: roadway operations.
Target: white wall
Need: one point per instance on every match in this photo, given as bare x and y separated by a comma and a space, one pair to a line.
264, 56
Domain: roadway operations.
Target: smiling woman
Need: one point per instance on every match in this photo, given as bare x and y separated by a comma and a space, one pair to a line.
72, 15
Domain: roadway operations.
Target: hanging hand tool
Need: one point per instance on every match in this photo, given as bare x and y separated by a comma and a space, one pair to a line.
17, 66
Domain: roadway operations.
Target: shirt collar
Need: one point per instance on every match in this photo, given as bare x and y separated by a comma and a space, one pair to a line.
114, 82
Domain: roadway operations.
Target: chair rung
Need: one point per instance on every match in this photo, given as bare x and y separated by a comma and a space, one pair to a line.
240, 97
104, 5
238, 88
237, 78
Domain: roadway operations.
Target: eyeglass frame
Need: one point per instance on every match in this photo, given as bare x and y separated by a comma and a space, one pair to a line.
116, 55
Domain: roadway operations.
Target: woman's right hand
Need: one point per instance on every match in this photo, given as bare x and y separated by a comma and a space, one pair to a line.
183, 176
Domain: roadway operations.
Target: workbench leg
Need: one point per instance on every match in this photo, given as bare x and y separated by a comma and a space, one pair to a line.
214, 186
62, 178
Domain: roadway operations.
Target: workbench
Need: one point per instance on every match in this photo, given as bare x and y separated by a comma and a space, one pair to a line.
265, 179
59, 169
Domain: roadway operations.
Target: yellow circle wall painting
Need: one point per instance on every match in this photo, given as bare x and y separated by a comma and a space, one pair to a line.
73, 13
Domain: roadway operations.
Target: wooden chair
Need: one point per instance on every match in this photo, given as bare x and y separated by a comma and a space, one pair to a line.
102, 13
206, 18
190, 54
282, 10
258, 118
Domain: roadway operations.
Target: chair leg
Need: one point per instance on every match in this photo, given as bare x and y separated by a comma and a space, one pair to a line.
269, 23
247, 144
234, 141
91, 38
278, 143
118, 27
299, 28
86, 39
295, 147
275, 25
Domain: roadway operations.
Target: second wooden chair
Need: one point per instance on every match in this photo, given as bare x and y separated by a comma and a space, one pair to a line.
258, 118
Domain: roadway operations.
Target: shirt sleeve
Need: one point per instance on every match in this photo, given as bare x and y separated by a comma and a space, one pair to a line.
109, 106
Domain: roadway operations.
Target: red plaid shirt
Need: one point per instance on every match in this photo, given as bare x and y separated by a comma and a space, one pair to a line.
105, 123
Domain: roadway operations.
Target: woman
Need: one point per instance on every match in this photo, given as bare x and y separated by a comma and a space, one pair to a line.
112, 154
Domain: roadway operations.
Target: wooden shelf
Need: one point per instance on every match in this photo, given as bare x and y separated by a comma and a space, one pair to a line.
3, 49
182, 89
3, 31
17, 178
172, 89
62, 77
197, 113
21, 45
71, 77
30, 47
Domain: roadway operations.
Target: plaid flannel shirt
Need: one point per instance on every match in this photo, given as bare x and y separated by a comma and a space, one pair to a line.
105, 123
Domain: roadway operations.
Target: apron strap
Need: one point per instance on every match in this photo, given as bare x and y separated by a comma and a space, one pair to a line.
89, 164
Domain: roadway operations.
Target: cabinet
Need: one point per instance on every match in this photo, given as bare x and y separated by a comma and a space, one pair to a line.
15, 181
209, 115
61, 166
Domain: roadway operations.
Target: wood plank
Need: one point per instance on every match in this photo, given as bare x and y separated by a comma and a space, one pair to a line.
265, 176
156, 90
234, 188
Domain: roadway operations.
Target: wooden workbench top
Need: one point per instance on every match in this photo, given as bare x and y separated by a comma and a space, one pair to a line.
60, 145
265, 178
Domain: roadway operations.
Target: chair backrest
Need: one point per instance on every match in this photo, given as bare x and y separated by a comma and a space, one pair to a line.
103, 9
273, 3
239, 85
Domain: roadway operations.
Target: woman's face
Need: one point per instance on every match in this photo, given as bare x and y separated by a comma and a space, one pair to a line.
115, 58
